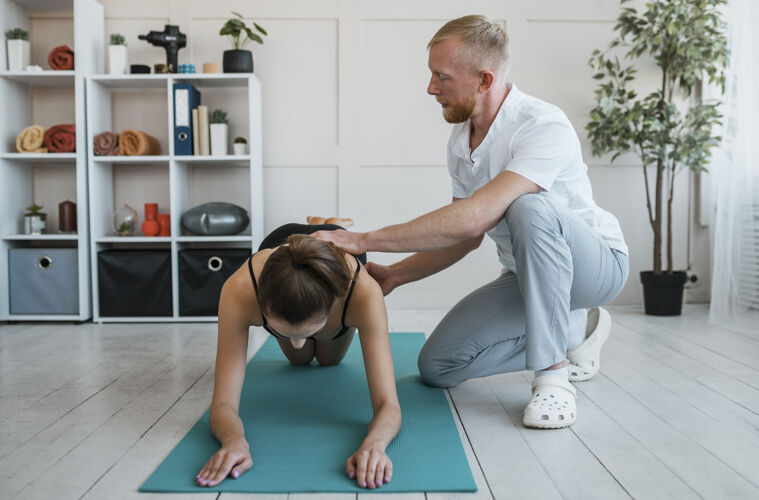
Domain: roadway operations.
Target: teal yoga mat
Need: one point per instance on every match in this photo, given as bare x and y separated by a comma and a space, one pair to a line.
303, 422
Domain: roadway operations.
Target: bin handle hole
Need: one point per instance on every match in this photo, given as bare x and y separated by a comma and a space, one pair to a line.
214, 263
45, 262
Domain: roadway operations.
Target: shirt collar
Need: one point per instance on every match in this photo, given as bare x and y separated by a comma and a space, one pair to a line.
461, 130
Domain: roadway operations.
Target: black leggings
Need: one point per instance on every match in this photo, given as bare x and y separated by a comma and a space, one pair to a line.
279, 236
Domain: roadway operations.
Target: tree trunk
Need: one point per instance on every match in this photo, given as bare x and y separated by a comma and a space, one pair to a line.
657, 216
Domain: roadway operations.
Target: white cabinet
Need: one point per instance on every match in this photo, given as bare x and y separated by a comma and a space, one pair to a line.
46, 178
177, 183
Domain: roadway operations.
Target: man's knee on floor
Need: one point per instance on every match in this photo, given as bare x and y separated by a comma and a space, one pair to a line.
434, 373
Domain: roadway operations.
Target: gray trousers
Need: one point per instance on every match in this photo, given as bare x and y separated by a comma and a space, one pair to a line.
524, 320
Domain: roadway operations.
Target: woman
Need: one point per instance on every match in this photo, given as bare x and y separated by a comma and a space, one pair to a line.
311, 296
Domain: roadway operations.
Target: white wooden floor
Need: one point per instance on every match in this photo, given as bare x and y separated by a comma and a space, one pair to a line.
89, 411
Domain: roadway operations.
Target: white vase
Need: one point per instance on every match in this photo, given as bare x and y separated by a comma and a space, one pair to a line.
117, 59
239, 148
18, 55
219, 139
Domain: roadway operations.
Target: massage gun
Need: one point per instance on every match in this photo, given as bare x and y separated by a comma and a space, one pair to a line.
171, 40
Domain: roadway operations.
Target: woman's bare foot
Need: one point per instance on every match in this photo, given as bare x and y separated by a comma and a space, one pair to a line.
343, 222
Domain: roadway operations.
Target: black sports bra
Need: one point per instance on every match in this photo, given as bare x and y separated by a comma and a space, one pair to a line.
345, 307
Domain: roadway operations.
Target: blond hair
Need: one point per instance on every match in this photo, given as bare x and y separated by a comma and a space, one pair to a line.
486, 45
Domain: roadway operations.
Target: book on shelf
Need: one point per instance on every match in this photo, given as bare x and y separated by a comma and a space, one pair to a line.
195, 126
186, 98
204, 130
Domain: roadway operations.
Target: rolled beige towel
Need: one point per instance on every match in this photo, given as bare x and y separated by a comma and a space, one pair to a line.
136, 142
31, 140
106, 144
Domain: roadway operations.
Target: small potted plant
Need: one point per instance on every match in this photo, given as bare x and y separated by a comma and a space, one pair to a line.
239, 145
18, 49
117, 55
239, 60
35, 222
219, 126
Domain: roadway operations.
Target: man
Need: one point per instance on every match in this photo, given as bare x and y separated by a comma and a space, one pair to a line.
518, 176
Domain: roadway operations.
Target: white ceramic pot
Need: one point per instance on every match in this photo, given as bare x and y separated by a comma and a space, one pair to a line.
117, 59
239, 148
18, 55
219, 139
35, 224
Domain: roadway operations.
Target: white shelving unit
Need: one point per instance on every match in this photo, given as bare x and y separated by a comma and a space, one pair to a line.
19, 172
115, 180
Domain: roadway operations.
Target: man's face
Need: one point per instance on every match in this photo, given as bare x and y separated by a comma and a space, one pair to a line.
454, 85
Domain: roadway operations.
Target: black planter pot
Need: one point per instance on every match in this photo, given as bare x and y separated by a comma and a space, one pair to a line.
238, 61
663, 293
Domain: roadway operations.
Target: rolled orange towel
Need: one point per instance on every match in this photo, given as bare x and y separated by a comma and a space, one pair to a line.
31, 140
137, 142
61, 58
61, 138
106, 144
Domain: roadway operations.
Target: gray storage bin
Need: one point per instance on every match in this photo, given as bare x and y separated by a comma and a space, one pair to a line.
44, 281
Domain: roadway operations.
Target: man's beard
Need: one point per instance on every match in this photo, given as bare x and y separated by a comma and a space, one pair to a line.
461, 111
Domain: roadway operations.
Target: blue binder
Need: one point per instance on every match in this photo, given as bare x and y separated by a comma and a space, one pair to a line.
186, 98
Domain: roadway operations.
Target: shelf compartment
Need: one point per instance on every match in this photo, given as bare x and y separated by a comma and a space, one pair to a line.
214, 239
39, 157
159, 80
242, 160
41, 237
131, 81
129, 240
194, 181
45, 78
122, 160
133, 184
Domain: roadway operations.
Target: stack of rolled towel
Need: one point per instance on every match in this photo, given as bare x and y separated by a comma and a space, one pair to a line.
106, 144
61, 58
31, 140
127, 143
57, 139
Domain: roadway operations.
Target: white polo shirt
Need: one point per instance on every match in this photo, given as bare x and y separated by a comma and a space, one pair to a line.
536, 140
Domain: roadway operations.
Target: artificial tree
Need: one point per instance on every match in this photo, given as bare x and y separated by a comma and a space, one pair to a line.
686, 40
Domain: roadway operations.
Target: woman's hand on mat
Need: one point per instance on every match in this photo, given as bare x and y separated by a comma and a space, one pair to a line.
370, 467
232, 459
350, 242
382, 275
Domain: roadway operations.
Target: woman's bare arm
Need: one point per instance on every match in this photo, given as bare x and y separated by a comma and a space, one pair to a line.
370, 465
234, 455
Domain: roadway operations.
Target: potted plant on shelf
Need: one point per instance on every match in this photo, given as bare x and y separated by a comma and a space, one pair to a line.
239, 145
117, 55
239, 60
35, 222
18, 49
219, 126
669, 129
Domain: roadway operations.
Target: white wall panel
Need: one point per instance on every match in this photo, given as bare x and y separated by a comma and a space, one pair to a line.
400, 122
293, 193
297, 66
392, 195
557, 71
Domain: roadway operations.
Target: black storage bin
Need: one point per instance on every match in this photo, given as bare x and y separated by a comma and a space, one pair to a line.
44, 280
134, 282
202, 273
